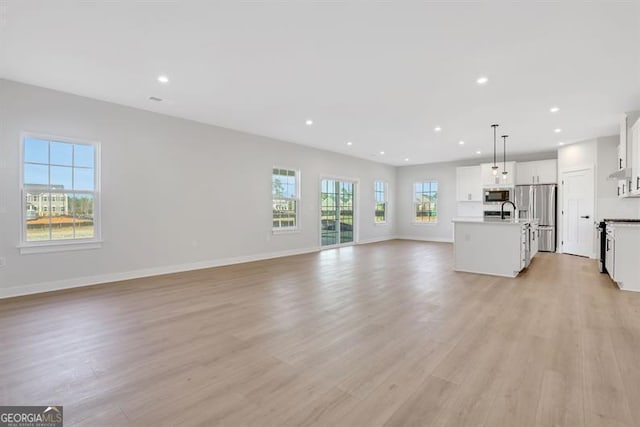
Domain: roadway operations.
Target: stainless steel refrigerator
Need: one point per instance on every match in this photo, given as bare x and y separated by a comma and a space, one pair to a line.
540, 202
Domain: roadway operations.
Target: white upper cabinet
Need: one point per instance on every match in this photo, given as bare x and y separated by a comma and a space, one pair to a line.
537, 172
491, 180
468, 187
635, 158
622, 147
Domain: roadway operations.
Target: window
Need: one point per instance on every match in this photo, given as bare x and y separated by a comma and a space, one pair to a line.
426, 202
285, 199
380, 192
60, 191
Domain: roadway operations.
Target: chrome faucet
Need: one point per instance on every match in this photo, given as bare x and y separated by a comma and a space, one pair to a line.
502, 208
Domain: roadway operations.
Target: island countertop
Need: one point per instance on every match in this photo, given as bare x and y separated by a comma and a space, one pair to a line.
483, 220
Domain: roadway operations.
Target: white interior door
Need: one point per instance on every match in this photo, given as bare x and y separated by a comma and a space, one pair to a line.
577, 218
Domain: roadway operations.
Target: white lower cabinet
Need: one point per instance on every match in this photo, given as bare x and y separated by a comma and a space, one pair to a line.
623, 255
535, 237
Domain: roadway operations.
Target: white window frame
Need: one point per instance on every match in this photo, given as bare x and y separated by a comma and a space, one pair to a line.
297, 199
45, 246
413, 204
385, 191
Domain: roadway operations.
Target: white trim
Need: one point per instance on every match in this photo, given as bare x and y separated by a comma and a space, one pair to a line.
136, 274
60, 246
385, 193
377, 240
426, 239
488, 274
289, 230
298, 200
560, 203
95, 193
356, 210
413, 202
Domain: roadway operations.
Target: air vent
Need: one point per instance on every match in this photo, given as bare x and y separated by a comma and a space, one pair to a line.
155, 99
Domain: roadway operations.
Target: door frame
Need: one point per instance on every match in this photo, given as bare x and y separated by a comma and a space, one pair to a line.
356, 210
560, 226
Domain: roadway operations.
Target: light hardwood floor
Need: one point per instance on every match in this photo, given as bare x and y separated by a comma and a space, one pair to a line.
380, 334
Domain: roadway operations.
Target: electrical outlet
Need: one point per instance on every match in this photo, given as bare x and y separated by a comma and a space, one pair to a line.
3, 262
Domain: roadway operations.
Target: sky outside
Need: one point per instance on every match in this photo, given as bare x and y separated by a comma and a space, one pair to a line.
59, 163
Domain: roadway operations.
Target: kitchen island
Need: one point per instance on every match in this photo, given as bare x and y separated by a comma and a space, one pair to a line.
494, 246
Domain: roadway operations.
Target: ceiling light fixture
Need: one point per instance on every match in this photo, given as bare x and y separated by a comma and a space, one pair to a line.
437, 129
308, 122
406, 159
382, 153
560, 143
163, 79
557, 130
478, 152
482, 80
554, 109
494, 168
349, 143
504, 158
460, 142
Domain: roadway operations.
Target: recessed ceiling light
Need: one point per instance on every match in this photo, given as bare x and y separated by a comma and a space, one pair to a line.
560, 143
406, 159
308, 122
557, 130
478, 152
554, 109
349, 143
482, 80
382, 153
163, 79
437, 129
460, 142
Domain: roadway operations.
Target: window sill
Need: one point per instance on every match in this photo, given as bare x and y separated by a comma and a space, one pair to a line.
380, 223
290, 231
419, 224
59, 247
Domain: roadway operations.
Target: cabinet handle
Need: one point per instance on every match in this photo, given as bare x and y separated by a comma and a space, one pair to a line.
618, 190
623, 191
608, 244
533, 179
638, 183
620, 163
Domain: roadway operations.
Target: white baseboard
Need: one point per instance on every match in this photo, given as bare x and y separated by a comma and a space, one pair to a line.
426, 239
376, 240
136, 274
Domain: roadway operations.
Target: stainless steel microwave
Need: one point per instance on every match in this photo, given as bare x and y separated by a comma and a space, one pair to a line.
497, 195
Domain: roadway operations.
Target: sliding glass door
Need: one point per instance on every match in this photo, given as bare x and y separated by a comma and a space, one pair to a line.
337, 213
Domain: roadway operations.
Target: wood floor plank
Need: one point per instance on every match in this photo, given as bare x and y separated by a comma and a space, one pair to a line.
370, 335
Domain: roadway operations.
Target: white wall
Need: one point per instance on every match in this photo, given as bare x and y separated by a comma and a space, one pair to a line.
176, 194
445, 174
601, 154
448, 207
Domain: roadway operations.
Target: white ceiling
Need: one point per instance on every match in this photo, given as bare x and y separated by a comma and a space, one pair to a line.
381, 74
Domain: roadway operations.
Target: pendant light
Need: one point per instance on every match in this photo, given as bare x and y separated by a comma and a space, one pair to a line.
504, 157
494, 168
